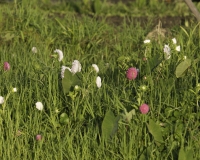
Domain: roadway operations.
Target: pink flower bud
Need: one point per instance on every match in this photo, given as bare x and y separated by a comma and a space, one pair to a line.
6, 66
144, 108
38, 137
131, 73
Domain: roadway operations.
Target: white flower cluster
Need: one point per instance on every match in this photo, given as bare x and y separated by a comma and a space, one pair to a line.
98, 82
60, 54
39, 106
167, 49
1, 100
34, 50
76, 67
178, 48
98, 79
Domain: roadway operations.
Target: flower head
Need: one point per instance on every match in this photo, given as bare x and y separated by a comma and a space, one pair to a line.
60, 54
38, 137
147, 41
39, 106
76, 67
14, 89
178, 48
96, 68
34, 50
76, 88
1, 100
144, 108
167, 51
143, 87
131, 73
6, 66
174, 40
98, 81
63, 70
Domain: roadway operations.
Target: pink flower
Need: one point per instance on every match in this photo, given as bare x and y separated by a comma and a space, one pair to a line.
38, 137
6, 66
144, 108
131, 73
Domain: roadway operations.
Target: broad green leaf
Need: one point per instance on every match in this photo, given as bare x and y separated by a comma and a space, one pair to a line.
189, 154
70, 80
115, 126
142, 157
64, 119
67, 81
181, 155
97, 6
154, 62
182, 67
155, 130
109, 125
76, 79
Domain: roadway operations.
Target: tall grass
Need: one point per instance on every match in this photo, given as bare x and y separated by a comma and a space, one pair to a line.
174, 102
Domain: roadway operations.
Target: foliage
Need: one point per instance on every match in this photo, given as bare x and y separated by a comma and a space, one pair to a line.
77, 119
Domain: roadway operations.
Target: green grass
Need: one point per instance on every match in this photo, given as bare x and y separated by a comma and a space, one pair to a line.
174, 102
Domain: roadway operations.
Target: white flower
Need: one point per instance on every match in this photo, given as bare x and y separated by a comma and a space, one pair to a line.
167, 51
34, 50
1, 100
174, 40
76, 87
57, 110
63, 68
178, 48
185, 57
60, 54
96, 68
76, 67
39, 106
147, 41
98, 81
14, 90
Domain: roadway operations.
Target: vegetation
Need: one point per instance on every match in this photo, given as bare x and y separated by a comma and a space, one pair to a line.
49, 111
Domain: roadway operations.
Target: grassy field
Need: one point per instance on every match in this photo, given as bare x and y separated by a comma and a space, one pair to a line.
48, 111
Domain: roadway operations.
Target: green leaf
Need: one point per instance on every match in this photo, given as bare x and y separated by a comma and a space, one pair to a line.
129, 115
64, 119
155, 61
189, 154
182, 67
76, 79
109, 125
97, 6
67, 81
155, 130
181, 155
70, 80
